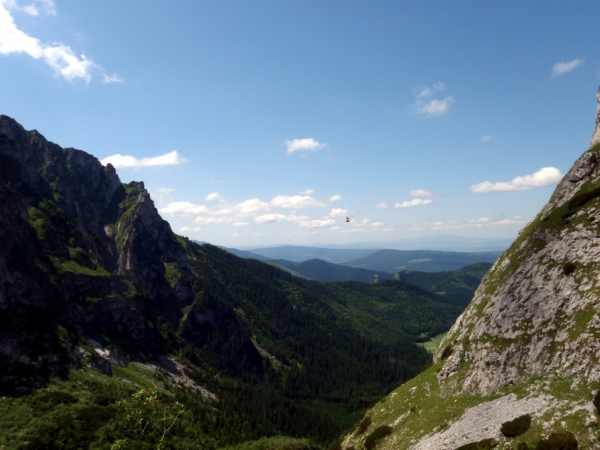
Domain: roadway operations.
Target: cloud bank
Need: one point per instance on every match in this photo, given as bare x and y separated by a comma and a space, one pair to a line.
546, 176
168, 159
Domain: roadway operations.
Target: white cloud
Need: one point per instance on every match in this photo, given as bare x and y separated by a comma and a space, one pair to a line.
382, 205
335, 198
184, 229
334, 228
32, 9
544, 177
212, 196
63, 61
308, 144
473, 223
563, 67
183, 209
414, 202
338, 212
431, 107
317, 223
295, 218
235, 235
251, 206
270, 218
486, 138
114, 78
506, 222
168, 159
296, 201
212, 219
240, 224
420, 193
435, 107
426, 92
163, 195
307, 192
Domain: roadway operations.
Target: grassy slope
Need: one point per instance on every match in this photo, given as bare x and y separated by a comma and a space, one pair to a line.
425, 409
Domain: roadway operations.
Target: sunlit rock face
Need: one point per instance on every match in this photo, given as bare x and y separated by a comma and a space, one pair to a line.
596, 135
536, 310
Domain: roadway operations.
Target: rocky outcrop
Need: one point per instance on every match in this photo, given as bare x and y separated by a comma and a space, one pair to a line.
536, 310
596, 135
78, 250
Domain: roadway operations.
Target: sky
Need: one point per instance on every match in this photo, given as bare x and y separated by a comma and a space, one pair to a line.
257, 123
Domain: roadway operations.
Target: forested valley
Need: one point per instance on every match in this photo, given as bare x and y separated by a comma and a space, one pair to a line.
117, 333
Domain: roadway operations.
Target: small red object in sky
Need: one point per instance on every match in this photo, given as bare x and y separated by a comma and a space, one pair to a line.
347, 219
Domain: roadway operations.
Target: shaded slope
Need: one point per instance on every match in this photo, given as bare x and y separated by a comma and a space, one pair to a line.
319, 270
459, 285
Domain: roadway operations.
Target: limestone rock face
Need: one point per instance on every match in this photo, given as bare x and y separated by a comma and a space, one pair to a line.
536, 310
596, 135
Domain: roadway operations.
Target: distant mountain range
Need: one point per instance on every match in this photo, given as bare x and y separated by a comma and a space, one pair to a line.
422, 260
443, 242
374, 265
316, 269
388, 261
296, 253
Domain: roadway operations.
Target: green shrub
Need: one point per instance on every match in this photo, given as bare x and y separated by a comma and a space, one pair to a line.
597, 401
516, 427
559, 441
335, 445
378, 434
447, 351
481, 445
569, 268
364, 425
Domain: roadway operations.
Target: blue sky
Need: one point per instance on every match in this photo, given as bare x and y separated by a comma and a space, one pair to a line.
268, 122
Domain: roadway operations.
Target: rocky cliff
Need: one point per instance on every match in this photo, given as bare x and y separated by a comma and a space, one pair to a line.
74, 254
527, 345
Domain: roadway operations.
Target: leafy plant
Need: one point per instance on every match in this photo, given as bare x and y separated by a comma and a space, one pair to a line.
144, 411
516, 427
559, 441
364, 425
378, 434
480, 445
